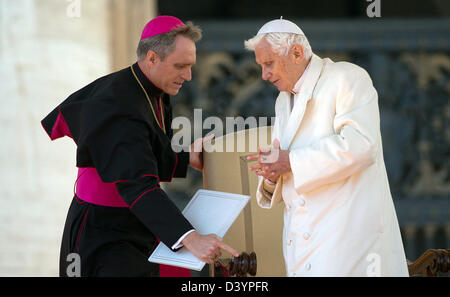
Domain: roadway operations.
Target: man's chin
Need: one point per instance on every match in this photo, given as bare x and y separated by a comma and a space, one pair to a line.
173, 92
280, 89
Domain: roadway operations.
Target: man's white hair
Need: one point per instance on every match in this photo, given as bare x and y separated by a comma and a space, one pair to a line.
281, 43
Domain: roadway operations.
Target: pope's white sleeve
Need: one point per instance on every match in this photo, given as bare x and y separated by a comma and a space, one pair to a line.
353, 146
265, 199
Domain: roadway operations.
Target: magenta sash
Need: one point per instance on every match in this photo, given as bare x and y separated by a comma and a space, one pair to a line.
90, 188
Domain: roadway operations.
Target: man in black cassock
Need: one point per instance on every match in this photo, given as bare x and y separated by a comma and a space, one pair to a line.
121, 125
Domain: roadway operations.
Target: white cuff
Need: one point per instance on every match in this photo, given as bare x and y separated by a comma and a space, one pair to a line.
178, 244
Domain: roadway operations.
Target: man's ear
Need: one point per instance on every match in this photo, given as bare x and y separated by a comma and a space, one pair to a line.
151, 58
296, 53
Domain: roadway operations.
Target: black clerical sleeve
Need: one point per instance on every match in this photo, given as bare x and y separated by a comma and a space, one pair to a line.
154, 209
125, 151
181, 165
182, 156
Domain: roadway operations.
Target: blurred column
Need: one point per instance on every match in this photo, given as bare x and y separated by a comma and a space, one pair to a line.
430, 231
48, 50
127, 19
409, 239
447, 236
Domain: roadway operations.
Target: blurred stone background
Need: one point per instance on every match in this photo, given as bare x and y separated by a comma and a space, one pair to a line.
51, 48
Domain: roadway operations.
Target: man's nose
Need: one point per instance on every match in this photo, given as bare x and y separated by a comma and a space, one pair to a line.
266, 74
187, 75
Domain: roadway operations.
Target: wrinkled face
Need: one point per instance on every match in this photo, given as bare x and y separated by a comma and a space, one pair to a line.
170, 73
282, 71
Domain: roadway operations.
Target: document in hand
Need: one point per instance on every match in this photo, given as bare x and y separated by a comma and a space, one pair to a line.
208, 212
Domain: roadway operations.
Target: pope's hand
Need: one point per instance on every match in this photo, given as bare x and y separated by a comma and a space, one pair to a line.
207, 247
272, 162
196, 152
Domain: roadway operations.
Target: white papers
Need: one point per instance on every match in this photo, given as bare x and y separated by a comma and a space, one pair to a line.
208, 212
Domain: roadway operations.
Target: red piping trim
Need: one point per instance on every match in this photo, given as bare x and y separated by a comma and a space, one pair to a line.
120, 181
175, 167
159, 115
78, 200
131, 206
144, 175
83, 223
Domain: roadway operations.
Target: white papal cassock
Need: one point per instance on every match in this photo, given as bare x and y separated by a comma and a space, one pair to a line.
339, 217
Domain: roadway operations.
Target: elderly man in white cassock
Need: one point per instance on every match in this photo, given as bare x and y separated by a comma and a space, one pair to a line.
326, 162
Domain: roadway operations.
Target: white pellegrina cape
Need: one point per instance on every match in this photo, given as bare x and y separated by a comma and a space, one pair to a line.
339, 217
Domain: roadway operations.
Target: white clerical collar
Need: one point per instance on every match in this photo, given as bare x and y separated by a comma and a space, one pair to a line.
296, 89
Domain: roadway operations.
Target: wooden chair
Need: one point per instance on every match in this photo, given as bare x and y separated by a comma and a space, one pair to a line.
431, 263
242, 266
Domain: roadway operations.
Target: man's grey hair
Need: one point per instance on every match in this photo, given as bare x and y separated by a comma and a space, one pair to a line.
281, 43
164, 44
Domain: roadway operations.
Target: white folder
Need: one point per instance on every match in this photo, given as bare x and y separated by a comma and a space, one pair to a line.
208, 212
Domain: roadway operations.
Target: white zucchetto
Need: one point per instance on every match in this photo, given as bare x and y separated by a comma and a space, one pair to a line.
280, 26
